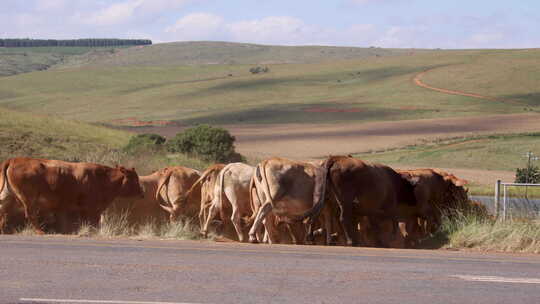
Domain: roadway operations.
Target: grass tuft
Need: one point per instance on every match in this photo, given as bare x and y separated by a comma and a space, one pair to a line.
487, 234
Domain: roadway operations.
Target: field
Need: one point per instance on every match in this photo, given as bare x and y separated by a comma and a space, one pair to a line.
314, 101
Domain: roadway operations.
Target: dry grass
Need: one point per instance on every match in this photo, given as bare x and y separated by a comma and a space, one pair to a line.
117, 225
486, 234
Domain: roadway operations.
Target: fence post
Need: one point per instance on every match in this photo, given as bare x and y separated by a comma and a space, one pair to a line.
497, 197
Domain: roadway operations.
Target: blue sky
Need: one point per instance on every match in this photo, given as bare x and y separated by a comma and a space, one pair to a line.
384, 23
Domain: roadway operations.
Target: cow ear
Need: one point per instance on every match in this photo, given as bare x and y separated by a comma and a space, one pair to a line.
456, 181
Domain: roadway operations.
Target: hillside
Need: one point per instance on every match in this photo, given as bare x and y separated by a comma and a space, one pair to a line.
341, 91
27, 59
24, 134
211, 52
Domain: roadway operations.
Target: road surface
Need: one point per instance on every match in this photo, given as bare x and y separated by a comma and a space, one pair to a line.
77, 270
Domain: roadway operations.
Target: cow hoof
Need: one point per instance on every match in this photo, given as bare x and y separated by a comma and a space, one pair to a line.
39, 232
253, 240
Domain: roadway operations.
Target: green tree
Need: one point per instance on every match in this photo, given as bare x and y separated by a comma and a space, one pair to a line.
205, 142
145, 142
529, 174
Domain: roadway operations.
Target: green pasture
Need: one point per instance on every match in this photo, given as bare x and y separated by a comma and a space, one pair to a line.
340, 91
494, 152
25, 134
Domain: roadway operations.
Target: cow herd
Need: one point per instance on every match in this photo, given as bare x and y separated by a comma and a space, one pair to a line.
338, 200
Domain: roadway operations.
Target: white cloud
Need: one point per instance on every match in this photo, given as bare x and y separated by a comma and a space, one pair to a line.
197, 26
122, 12
280, 29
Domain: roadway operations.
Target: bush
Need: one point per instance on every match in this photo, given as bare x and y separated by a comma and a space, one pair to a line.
259, 69
145, 142
528, 175
205, 142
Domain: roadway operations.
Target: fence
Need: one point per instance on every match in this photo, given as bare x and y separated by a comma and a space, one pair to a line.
518, 202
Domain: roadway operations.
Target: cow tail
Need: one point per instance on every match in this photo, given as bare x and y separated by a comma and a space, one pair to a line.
162, 184
3, 175
318, 206
221, 182
199, 181
248, 221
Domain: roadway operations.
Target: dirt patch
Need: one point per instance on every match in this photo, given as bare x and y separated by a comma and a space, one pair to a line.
308, 141
134, 122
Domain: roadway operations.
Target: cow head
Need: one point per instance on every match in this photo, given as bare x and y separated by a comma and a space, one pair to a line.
130, 183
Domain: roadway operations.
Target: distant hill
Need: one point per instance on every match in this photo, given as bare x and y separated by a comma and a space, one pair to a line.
209, 52
17, 60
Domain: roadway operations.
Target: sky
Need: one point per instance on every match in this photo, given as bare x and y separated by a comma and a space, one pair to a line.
383, 23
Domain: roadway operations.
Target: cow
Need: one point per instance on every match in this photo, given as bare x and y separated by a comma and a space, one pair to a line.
437, 192
147, 209
291, 190
364, 189
233, 183
71, 190
172, 189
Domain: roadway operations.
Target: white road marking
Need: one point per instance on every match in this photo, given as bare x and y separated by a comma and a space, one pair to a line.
38, 300
497, 279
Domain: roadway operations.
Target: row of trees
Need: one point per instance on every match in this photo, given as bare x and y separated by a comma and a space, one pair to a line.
90, 42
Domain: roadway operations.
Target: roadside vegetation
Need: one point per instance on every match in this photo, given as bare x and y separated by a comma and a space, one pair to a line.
466, 231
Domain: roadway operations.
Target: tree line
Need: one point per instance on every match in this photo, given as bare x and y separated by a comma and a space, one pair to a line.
90, 42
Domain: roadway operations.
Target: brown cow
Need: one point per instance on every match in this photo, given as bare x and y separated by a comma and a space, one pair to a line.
364, 189
143, 210
436, 192
172, 189
290, 189
81, 190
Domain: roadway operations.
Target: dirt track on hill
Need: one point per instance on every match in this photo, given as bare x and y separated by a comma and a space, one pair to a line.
418, 81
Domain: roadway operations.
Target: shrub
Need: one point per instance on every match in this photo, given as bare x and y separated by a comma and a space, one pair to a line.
145, 142
259, 69
528, 175
205, 142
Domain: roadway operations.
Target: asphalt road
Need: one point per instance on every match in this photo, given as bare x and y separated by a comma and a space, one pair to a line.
63, 269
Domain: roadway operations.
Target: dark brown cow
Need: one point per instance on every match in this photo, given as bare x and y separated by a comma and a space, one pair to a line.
364, 189
436, 192
73, 190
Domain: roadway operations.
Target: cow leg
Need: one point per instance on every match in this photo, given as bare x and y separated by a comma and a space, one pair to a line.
5, 207
345, 218
261, 214
31, 214
212, 212
237, 222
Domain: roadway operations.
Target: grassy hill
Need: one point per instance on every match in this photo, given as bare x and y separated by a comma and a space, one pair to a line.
212, 52
492, 152
23, 134
154, 83
27, 59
